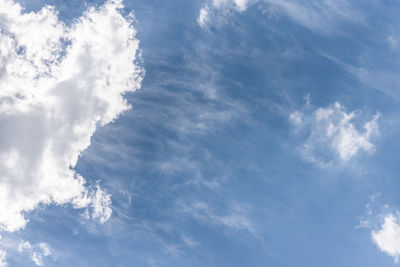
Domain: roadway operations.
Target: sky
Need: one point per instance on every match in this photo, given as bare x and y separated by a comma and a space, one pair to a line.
199, 133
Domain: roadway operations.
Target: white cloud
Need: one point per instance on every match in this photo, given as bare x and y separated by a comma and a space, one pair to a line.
388, 237
3, 256
321, 16
317, 15
24, 245
37, 251
37, 259
333, 129
101, 202
296, 118
239, 5
381, 80
189, 242
203, 20
58, 83
43, 251
208, 14
236, 218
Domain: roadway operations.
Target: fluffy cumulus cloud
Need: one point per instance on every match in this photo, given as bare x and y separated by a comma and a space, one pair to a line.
58, 83
320, 16
333, 130
387, 238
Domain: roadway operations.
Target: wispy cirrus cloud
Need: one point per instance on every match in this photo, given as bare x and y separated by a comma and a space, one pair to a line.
13, 247
36, 251
235, 218
383, 80
318, 16
3, 257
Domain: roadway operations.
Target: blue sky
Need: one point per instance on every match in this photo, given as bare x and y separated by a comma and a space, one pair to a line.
263, 134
